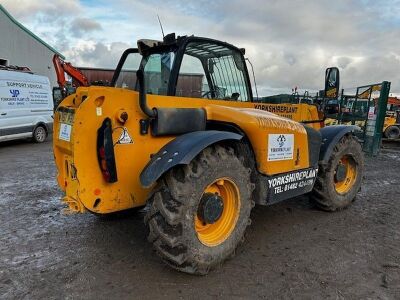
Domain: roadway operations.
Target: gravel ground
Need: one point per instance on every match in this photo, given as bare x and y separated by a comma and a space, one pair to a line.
292, 250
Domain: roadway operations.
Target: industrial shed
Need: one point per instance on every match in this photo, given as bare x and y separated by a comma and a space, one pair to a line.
21, 47
97, 75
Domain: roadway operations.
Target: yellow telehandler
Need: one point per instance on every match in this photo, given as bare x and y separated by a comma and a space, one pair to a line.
391, 126
178, 131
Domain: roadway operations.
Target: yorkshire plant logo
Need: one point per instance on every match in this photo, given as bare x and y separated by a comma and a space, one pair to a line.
14, 93
281, 140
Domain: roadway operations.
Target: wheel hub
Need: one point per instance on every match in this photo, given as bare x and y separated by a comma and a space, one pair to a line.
210, 208
217, 212
341, 172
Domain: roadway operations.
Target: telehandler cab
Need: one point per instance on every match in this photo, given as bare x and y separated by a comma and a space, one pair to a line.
183, 136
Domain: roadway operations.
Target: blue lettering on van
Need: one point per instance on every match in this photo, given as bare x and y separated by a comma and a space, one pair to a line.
14, 93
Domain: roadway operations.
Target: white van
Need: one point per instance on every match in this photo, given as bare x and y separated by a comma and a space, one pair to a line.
26, 106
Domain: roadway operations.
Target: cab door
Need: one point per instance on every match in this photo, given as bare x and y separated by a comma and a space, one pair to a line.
212, 70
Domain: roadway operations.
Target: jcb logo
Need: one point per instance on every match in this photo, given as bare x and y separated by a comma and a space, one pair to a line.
14, 93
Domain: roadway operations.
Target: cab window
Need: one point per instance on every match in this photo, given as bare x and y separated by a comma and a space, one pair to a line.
157, 70
192, 81
212, 71
127, 75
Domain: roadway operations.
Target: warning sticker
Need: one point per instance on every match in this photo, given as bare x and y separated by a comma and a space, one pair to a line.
125, 138
280, 146
65, 132
99, 111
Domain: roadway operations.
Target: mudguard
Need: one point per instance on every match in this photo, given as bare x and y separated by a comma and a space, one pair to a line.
331, 135
181, 151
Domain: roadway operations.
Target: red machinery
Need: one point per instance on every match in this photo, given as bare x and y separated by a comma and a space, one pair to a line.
63, 67
394, 100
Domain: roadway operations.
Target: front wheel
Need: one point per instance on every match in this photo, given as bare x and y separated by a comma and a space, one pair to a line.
199, 212
392, 132
339, 180
39, 135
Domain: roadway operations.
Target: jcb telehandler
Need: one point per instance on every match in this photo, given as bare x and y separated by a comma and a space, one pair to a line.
183, 136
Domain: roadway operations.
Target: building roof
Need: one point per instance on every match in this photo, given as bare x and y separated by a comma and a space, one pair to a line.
29, 32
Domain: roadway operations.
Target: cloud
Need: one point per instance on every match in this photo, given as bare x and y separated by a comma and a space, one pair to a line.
343, 61
96, 54
24, 10
80, 26
290, 43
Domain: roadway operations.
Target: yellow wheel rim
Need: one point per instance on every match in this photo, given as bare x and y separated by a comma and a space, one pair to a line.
345, 185
214, 234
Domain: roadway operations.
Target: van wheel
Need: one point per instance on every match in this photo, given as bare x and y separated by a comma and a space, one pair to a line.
39, 134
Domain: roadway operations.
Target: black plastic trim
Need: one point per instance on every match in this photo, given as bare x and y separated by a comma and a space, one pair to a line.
181, 151
331, 135
176, 121
314, 139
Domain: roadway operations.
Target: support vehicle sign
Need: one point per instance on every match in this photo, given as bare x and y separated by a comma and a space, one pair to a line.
20, 90
280, 146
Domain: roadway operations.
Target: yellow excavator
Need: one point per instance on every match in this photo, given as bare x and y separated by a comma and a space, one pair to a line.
178, 132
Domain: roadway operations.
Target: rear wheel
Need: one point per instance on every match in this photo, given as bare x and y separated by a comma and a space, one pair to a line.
199, 212
340, 179
39, 135
392, 132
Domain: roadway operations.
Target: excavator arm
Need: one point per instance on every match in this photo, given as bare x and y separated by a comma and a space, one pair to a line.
61, 67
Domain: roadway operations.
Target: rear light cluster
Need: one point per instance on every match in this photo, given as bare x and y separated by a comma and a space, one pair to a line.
105, 152
103, 164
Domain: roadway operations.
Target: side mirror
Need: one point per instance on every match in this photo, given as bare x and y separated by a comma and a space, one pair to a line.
332, 82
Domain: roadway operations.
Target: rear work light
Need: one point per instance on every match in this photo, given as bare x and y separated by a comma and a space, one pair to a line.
105, 151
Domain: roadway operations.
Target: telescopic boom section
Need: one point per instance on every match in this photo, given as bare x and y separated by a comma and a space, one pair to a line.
63, 67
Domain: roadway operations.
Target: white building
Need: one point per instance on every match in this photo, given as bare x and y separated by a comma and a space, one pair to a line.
21, 47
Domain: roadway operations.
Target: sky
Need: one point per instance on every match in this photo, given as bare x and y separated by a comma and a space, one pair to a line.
290, 43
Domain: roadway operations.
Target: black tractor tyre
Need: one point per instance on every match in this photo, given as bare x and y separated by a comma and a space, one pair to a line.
324, 194
392, 132
39, 134
173, 207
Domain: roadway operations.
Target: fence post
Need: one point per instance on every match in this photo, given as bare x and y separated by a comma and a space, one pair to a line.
374, 126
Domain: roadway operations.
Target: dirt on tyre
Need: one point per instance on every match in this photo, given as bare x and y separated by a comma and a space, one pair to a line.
339, 181
392, 132
39, 134
199, 212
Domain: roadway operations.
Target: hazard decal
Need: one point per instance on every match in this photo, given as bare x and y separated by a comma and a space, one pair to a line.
125, 138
